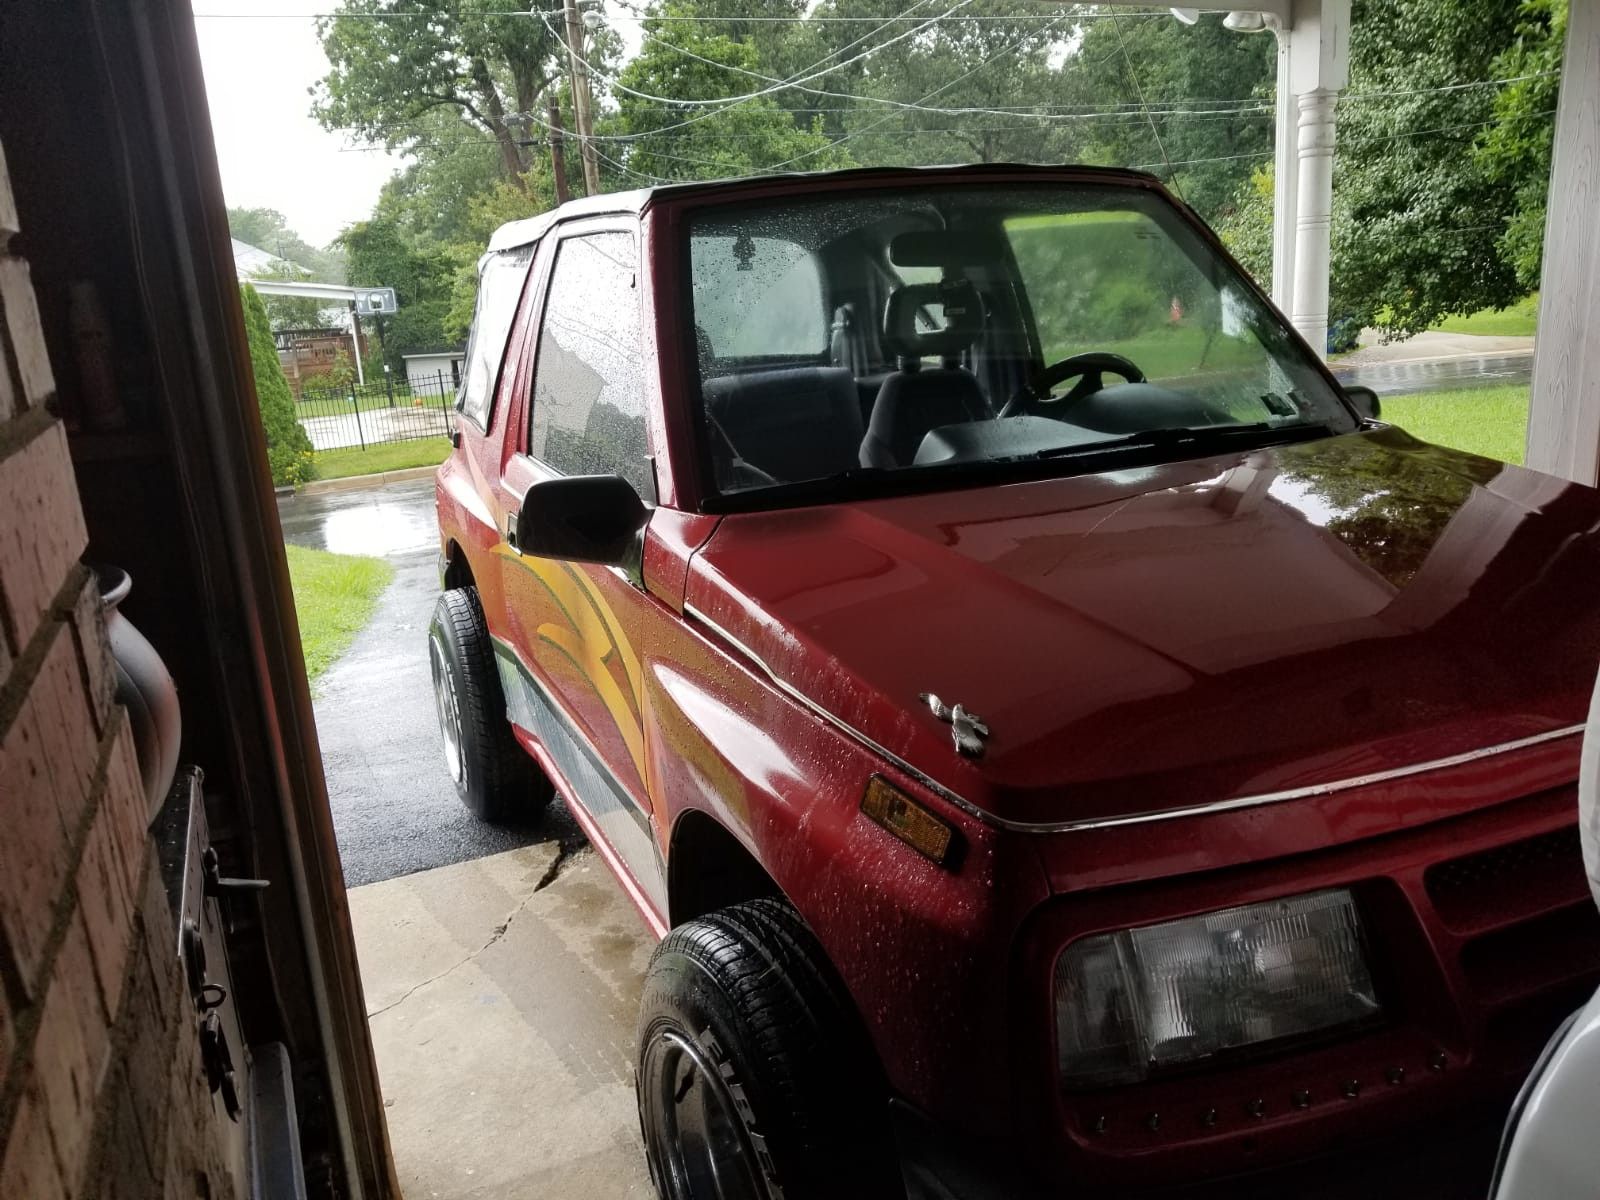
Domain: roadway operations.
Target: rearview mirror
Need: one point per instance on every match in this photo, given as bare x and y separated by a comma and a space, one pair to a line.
583, 518
1365, 401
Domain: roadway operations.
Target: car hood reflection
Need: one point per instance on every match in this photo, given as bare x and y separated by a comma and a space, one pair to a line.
1181, 634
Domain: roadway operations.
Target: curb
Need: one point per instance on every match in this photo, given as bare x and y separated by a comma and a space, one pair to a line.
352, 483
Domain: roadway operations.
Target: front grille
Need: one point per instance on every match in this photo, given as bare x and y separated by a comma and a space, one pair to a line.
1509, 883
1527, 934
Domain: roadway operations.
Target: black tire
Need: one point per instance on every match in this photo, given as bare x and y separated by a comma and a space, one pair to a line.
493, 775
749, 1057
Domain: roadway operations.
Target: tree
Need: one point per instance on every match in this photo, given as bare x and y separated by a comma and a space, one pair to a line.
289, 454
1004, 68
1429, 212
381, 254
1514, 152
1207, 101
691, 61
479, 61
1440, 171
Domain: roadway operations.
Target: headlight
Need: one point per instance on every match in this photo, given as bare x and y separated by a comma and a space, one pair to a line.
1132, 1002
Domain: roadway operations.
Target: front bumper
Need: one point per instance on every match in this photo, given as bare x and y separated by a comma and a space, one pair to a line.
1482, 940
1452, 1161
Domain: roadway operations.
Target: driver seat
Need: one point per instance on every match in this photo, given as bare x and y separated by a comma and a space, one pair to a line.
913, 401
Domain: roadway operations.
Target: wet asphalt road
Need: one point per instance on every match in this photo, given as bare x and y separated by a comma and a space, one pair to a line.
394, 806
1408, 378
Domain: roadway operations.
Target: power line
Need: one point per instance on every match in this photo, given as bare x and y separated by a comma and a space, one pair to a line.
781, 85
887, 116
1127, 64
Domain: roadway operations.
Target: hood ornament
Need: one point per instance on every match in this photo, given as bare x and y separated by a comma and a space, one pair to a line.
967, 729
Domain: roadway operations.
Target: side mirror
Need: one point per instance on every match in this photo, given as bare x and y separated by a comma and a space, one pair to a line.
1366, 401
583, 518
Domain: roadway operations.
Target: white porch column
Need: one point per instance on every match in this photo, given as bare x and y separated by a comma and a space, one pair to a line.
1564, 416
1313, 215
1313, 65
1285, 177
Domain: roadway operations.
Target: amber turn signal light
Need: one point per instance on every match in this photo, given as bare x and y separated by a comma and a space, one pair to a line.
928, 835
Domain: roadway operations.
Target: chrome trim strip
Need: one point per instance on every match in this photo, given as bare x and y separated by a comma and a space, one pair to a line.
1166, 814
1325, 789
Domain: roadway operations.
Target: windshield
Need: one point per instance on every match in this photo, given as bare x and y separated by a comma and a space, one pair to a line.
903, 331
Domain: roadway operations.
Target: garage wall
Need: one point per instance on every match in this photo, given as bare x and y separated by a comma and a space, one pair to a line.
101, 1090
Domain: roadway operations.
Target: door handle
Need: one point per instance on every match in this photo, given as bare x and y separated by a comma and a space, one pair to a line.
511, 529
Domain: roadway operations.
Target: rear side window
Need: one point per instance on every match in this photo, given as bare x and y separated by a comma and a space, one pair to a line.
755, 297
588, 383
499, 288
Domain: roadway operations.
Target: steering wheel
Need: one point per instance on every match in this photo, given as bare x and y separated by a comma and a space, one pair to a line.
1091, 367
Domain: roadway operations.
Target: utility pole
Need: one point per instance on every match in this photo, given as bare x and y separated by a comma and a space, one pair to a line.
558, 155
580, 99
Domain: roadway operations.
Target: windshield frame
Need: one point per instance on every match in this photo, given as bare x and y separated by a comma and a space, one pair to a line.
683, 376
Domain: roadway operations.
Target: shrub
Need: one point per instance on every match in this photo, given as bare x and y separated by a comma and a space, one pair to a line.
288, 448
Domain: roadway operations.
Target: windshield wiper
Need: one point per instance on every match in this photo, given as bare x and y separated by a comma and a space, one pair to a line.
1202, 437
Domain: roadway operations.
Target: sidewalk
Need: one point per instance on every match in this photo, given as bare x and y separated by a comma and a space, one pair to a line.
502, 996
1431, 347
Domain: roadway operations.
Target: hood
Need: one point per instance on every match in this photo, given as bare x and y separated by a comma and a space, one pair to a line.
1185, 633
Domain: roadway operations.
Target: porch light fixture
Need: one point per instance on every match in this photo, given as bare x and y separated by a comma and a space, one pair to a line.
1245, 21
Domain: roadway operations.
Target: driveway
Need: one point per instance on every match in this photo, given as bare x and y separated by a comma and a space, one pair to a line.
394, 806
501, 966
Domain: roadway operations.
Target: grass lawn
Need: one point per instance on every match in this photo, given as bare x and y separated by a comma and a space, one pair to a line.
1491, 421
391, 456
334, 595
1516, 321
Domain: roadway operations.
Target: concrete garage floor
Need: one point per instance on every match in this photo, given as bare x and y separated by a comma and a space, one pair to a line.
502, 996
501, 965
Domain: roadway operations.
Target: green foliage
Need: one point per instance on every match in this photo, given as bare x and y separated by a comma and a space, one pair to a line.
1245, 225
1002, 63
473, 59
1180, 72
288, 448
1427, 217
1514, 152
694, 61
383, 254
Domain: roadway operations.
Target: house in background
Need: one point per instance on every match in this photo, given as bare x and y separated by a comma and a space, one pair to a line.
307, 355
435, 372
252, 262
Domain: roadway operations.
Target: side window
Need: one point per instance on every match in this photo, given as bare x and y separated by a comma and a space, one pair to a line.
500, 279
588, 383
756, 297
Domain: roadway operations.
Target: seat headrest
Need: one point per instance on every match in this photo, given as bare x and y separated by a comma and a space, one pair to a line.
963, 318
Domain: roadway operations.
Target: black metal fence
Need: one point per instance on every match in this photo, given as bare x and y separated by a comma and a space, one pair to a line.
372, 413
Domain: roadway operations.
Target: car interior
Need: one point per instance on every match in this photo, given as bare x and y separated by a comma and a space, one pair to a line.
930, 330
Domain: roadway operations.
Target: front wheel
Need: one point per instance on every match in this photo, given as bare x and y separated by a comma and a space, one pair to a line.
493, 775
753, 1081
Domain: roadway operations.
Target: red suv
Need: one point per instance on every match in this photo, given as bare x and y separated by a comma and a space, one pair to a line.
1064, 742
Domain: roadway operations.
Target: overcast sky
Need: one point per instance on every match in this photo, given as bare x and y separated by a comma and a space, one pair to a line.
273, 155
260, 57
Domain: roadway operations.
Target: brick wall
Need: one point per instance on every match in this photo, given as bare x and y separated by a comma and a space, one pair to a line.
101, 1090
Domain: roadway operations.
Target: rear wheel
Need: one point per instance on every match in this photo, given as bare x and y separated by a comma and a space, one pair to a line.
493, 775
754, 1082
